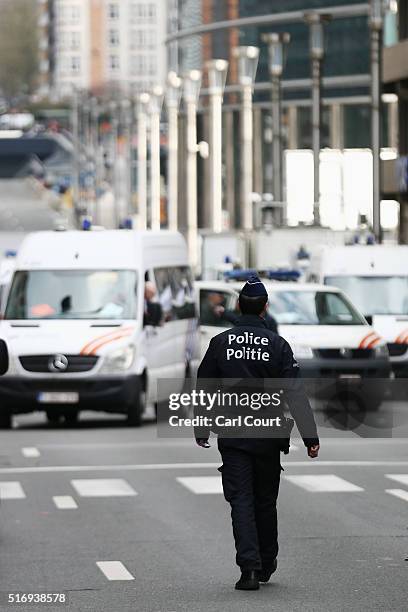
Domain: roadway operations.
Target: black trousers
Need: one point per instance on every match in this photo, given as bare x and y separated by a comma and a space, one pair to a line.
250, 481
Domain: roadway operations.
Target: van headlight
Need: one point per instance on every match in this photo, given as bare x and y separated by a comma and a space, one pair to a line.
302, 351
381, 351
119, 360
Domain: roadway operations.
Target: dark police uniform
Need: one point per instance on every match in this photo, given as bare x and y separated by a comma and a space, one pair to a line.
251, 466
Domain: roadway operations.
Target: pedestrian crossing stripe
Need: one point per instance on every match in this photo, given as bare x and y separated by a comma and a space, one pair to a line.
103, 487
402, 478
65, 502
11, 490
400, 493
202, 485
30, 452
114, 570
324, 483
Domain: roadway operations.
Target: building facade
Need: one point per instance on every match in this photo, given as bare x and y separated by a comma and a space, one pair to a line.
395, 79
346, 95
106, 43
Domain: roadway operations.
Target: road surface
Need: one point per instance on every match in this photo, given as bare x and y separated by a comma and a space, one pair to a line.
122, 521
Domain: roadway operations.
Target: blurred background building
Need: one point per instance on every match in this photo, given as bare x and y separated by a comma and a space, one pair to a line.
94, 44
214, 28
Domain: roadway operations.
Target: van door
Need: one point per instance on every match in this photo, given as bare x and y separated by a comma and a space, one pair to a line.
212, 320
169, 344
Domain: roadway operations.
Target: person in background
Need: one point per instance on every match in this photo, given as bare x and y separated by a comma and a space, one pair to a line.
153, 313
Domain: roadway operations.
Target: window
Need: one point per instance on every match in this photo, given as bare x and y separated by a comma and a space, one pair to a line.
114, 63
73, 294
385, 295
75, 14
138, 64
113, 11
312, 308
75, 40
210, 303
140, 11
151, 10
136, 39
75, 64
175, 292
113, 38
152, 66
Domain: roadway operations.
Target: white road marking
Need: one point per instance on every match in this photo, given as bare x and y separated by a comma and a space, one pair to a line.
11, 490
103, 487
398, 493
30, 451
191, 466
65, 502
114, 570
202, 485
328, 483
402, 478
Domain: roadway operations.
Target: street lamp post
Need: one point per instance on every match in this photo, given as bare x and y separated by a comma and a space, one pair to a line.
376, 22
113, 109
217, 74
126, 108
77, 151
173, 95
276, 47
94, 154
143, 102
247, 65
316, 23
155, 106
191, 92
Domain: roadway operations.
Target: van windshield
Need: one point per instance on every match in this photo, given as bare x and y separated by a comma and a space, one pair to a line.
72, 294
312, 308
373, 295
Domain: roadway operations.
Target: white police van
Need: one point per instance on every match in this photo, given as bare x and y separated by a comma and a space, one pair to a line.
78, 327
376, 279
329, 337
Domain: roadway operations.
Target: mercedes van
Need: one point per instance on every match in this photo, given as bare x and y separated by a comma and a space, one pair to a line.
84, 332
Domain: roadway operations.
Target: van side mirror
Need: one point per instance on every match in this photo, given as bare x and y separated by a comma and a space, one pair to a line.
4, 358
369, 319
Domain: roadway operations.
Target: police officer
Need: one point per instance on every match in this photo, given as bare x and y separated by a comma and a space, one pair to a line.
251, 466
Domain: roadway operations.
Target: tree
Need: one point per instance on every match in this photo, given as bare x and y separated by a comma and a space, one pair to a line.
18, 47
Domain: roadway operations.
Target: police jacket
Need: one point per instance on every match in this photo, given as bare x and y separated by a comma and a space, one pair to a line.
251, 350
234, 318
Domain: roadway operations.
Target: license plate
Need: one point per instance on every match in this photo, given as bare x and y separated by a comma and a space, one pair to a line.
58, 398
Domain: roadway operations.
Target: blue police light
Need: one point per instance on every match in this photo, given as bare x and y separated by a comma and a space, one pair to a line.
281, 274
86, 225
278, 274
239, 275
128, 224
10, 253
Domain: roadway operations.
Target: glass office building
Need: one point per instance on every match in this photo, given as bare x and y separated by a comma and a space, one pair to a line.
346, 75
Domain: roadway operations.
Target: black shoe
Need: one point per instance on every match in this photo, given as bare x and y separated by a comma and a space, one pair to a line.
266, 572
248, 581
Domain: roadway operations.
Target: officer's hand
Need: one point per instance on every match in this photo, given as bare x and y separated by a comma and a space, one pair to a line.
203, 442
313, 451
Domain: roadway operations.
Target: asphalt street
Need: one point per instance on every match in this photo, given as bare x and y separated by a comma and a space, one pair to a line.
25, 207
123, 521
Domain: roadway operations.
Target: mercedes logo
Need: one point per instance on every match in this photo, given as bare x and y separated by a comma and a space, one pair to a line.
58, 363
347, 353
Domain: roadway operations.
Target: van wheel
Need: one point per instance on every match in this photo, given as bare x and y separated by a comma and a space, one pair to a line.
71, 418
137, 406
6, 420
53, 417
